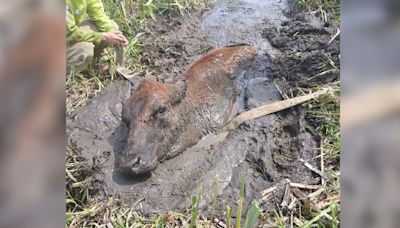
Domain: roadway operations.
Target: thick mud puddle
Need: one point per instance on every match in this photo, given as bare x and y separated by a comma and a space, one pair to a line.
265, 150
239, 21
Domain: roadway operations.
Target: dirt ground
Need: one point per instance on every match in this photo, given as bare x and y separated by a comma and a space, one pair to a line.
293, 52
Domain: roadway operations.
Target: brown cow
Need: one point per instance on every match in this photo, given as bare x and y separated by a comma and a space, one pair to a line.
164, 120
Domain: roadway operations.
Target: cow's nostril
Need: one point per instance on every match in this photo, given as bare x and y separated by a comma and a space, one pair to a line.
135, 161
138, 161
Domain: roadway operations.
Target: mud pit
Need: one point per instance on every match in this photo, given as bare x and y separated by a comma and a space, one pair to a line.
265, 150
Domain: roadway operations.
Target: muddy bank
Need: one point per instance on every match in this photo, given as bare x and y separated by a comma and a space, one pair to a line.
265, 150
306, 57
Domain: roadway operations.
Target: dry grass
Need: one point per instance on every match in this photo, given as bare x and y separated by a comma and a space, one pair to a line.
316, 205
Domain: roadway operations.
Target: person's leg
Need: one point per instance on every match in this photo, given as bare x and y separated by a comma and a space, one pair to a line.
89, 25
79, 56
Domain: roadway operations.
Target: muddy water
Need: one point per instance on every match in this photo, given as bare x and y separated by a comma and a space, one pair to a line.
265, 150
240, 21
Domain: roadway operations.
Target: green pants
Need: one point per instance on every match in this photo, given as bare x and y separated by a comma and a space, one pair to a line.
81, 54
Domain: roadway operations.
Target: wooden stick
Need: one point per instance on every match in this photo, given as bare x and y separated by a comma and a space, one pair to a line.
316, 193
305, 186
323, 182
272, 108
312, 168
334, 37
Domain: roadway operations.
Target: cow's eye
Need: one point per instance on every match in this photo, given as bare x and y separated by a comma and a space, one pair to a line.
161, 111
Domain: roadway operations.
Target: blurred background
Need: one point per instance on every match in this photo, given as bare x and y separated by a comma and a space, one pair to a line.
32, 113
32, 104
370, 108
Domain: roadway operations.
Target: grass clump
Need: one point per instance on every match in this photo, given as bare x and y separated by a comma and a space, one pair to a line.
83, 209
329, 9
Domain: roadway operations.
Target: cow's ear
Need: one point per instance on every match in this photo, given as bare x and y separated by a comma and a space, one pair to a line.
126, 111
126, 108
177, 91
135, 82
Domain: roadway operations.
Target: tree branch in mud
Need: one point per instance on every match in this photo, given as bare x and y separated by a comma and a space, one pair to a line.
272, 108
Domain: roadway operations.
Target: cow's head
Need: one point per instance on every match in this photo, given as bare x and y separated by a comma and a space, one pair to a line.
148, 116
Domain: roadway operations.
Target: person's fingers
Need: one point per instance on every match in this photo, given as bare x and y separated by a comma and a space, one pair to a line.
121, 36
123, 39
118, 40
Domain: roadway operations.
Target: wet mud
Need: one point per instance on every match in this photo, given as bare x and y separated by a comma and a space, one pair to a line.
265, 151
307, 58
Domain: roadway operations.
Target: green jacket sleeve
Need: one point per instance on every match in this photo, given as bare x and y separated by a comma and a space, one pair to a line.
76, 34
95, 11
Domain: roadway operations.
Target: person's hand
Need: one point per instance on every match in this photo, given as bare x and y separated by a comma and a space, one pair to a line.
114, 38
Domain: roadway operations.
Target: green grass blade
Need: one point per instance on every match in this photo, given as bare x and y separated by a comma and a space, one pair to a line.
241, 199
318, 217
252, 215
215, 195
195, 207
228, 216
195, 210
